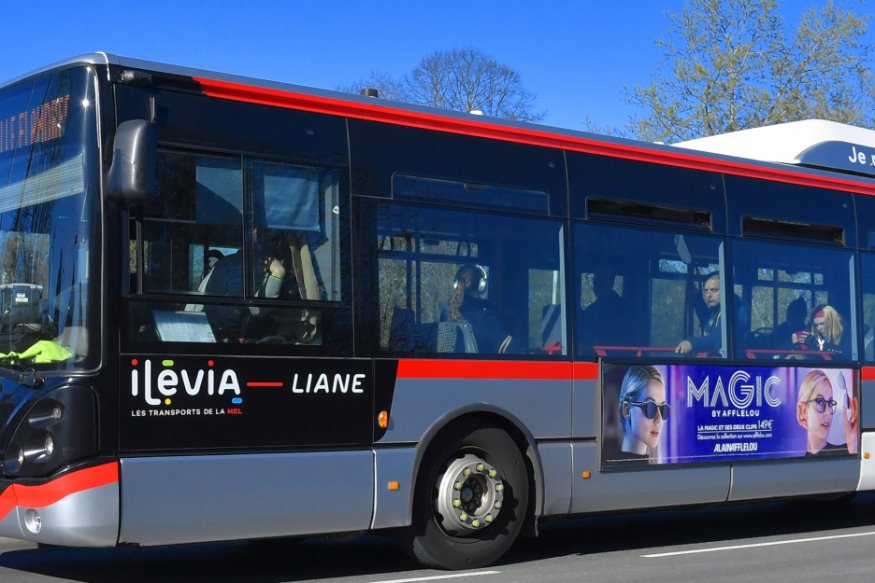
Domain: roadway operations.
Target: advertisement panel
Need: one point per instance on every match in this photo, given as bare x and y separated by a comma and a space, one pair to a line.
686, 414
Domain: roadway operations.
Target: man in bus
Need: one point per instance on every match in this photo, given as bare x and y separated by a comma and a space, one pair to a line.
468, 304
710, 312
226, 280
602, 322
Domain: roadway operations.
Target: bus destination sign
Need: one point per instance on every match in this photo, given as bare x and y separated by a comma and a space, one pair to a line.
40, 124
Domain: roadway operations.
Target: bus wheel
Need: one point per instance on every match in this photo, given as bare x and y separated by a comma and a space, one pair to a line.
471, 499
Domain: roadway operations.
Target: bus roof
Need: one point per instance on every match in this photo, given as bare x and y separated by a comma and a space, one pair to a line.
816, 144
812, 142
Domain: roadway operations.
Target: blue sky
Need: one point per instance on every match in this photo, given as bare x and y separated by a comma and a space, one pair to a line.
579, 57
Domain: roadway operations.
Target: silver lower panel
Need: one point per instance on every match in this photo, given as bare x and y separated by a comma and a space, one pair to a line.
182, 499
649, 488
85, 519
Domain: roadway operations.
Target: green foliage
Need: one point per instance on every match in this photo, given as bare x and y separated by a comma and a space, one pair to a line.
733, 67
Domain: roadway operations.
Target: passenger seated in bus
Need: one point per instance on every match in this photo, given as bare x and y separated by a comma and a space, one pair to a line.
467, 304
643, 411
824, 334
782, 336
710, 313
226, 280
602, 321
816, 412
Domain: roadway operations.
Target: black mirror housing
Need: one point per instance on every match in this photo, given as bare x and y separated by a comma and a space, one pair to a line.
132, 176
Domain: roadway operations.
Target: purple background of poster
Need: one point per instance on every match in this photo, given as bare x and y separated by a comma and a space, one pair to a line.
687, 437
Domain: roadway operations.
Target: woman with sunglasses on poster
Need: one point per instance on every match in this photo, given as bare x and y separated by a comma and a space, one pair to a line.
816, 409
643, 411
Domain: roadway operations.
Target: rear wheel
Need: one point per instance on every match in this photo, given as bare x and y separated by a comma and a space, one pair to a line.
471, 499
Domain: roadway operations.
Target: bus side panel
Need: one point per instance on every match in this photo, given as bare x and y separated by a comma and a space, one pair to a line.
167, 500
794, 478
651, 488
556, 464
393, 497
541, 405
587, 413
867, 464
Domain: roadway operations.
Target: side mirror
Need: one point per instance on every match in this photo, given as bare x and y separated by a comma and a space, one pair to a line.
132, 177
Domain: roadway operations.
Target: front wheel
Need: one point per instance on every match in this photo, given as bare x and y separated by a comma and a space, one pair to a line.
471, 499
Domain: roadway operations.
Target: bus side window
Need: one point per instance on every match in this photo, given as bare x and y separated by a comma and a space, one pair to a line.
296, 217
248, 246
793, 288
867, 279
639, 293
465, 283
200, 210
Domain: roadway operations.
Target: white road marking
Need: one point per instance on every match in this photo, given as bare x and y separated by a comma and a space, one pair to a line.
442, 577
757, 545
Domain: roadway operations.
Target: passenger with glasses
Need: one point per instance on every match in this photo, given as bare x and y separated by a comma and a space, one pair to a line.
816, 411
643, 412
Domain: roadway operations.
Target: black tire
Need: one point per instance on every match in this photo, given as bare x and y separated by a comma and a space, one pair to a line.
451, 542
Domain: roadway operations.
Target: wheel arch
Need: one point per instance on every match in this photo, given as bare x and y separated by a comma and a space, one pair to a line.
488, 416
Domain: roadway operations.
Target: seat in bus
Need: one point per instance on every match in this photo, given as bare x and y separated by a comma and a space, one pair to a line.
456, 337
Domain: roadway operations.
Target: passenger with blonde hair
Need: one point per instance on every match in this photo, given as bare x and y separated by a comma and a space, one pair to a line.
825, 332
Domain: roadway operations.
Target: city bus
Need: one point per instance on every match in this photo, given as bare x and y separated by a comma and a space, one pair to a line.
234, 309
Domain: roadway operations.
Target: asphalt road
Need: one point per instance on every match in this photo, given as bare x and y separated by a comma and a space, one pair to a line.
811, 540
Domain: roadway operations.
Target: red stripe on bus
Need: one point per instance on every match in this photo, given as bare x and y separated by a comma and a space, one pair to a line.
534, 137
586, 371
479, 369
495, 370
867, 373
58, 489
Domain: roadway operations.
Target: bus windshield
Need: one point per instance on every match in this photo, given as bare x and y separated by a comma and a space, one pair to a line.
48, 233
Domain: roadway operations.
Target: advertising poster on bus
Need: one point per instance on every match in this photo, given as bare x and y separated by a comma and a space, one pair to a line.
687, 414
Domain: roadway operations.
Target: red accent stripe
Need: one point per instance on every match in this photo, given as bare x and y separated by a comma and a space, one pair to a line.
472, 127
57, 489
867, 373
495, 370
264, 384
586, 371
7, 502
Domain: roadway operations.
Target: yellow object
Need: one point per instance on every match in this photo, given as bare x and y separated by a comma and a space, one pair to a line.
41, 352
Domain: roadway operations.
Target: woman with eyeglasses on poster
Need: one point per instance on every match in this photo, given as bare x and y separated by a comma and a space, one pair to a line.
815, 410
643, 413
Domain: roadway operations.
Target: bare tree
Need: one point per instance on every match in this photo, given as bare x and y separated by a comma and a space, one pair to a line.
460, 80
387, 87
733, 68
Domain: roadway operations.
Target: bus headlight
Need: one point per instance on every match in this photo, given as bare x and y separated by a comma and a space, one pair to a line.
58, 429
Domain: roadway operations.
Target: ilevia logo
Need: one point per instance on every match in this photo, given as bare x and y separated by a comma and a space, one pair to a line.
160, 382
160, 386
